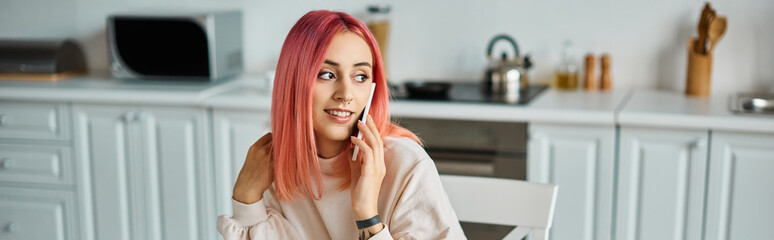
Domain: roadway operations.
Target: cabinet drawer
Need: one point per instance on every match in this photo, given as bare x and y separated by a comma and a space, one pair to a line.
33, 120
36, 164
36, 214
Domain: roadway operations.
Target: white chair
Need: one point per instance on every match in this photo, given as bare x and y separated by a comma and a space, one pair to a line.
528, 206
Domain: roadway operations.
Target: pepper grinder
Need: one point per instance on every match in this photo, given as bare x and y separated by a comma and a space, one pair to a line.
606, 79
588, 79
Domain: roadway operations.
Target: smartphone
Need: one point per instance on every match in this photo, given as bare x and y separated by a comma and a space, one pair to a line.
364, 118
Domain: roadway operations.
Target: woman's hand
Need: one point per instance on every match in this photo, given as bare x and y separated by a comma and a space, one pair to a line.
367, 171
257, 173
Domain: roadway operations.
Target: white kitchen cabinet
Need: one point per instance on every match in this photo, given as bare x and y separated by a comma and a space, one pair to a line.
146, 172
37, 214
580, 159
740, 196
37, 172
36, 163
234, 131
661, 182
34, 120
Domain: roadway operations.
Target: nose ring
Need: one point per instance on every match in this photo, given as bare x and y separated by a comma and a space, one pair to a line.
347, 102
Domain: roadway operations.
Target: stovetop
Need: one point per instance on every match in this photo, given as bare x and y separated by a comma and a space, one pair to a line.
467, 92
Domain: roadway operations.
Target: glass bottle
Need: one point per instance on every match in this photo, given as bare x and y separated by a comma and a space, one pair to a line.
567, 70
379, 24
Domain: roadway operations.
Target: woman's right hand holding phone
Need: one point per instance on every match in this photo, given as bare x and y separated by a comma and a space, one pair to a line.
257, 173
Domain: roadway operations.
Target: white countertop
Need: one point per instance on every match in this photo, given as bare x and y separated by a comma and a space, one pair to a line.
568, 107
636, 107
100, 88
553, 106
249, 95
655, 108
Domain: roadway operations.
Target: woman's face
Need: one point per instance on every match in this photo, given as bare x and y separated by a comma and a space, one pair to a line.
342, 88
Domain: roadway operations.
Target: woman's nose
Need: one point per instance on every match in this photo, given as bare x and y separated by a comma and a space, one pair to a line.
344, 91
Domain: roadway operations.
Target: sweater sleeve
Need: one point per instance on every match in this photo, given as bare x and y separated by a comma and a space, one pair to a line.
423, 210
255, 221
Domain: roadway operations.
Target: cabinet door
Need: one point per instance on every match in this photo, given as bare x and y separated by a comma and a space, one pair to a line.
34, 120
177, 173
234, 132
580, 160
147, 170
107, 166
38, 163
740, 196
661, 181
37, 214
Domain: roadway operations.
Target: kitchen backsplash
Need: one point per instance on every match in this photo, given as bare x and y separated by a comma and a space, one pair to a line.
446, 40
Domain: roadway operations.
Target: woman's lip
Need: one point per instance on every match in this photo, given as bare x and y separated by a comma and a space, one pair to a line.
340, 119
340, 109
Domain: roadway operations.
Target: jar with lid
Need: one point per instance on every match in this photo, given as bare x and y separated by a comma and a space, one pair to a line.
378, 22
567, 69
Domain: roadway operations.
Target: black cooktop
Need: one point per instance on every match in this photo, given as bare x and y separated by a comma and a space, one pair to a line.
461, 92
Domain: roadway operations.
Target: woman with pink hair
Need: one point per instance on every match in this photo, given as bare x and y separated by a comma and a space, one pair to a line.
298, 181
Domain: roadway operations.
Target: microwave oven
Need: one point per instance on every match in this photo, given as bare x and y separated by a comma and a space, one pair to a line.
201, 47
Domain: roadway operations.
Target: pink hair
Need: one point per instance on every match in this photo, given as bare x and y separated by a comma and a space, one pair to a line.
294, 148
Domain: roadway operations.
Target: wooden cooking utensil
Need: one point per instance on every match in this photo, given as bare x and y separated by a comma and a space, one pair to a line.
717, 29
704, 20
709, 19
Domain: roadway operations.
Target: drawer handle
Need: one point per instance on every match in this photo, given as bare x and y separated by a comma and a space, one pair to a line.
698, 143
127, 117
3, 120
132, 116
11, 227
6, 163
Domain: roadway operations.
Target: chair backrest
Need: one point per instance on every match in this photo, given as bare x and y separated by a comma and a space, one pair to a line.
528, 206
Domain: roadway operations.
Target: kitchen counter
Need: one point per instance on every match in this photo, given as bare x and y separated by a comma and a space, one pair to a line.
635, 107
100, 88
554, 106
574, 107
656, 108
251, 94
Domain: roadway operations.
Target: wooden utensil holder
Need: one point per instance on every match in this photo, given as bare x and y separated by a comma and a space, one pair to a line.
699, 73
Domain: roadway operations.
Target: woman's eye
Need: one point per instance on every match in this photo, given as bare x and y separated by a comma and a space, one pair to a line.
326, 75
361, 78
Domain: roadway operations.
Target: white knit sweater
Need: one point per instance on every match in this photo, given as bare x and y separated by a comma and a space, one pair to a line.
412, 205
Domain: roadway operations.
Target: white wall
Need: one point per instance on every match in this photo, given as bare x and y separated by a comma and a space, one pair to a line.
446, 40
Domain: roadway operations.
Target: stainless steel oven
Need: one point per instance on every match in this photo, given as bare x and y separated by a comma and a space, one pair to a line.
475, 148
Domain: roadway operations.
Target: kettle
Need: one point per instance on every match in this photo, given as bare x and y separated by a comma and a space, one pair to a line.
505, 79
